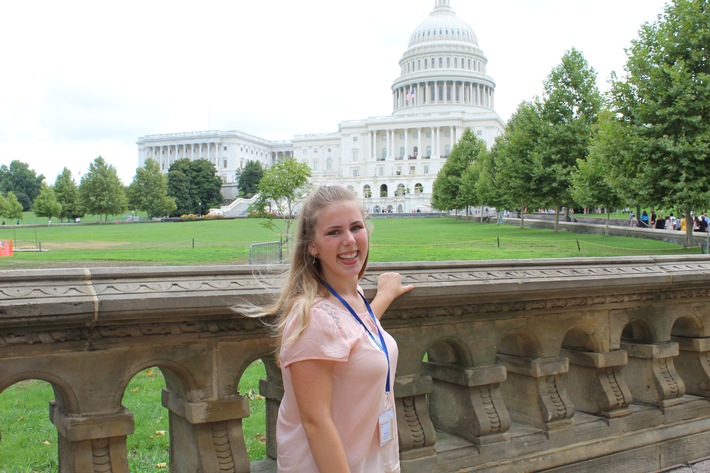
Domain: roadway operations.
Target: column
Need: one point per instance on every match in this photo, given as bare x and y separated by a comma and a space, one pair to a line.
534, 393
207, 435
693, 364
388, 153
467, 402
596, 384
414, 427
419, 141
406, 143
435, 142
92, 443
651, 373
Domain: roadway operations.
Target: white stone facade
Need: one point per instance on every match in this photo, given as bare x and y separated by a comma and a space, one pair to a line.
390, 162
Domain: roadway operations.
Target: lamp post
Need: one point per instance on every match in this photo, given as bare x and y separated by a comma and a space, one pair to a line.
199, 212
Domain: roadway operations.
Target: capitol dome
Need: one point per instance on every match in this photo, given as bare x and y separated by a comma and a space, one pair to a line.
443, 25
443, 69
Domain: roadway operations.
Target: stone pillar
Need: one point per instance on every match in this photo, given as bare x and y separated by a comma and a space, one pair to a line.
207, 436
406, 142
414, 427
651, 373
467, 402
693, 364
595, 382
273, 392
534, 393
92, 443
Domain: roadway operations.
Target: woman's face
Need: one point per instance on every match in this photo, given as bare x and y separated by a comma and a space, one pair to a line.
341, 241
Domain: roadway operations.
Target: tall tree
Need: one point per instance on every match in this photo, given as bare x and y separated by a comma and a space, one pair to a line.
46, 203
283, 186
249, 178
67, 193
516, 152
194, 185
12, 207
663, 101
595, 183
448, 193
20, 179
568, 108
101, 191
149, 191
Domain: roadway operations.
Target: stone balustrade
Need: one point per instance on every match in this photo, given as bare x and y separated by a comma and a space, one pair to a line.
573, 365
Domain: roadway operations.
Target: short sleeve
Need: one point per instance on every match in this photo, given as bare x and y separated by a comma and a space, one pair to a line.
326, 337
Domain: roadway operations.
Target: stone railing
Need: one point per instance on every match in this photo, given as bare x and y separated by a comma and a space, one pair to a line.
568, 365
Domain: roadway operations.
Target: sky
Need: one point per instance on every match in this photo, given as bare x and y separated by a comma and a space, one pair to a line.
82, 79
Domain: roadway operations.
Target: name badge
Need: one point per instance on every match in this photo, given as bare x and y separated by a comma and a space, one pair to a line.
386, 420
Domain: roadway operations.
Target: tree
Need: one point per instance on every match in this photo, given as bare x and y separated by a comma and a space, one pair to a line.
283, 186
12, 208
149, 191
568, 108
46, 203
194, 185
20, 179
516, 152
663, 102
67, 193
448, 193
101, 191
249, 178
595, 182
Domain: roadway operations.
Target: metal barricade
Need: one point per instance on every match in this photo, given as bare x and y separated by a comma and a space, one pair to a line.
265, 253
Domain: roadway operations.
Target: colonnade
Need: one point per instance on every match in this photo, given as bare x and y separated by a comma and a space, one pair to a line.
412, 138
166, 155
444, 92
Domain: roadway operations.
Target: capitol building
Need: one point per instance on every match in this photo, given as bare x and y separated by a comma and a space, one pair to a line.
390, 162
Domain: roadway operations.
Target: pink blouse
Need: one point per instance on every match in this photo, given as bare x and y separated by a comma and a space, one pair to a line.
358, 391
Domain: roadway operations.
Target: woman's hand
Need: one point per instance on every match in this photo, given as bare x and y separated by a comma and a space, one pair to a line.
389, 287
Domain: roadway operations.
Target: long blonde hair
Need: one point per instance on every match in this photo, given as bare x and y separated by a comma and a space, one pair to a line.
304, 280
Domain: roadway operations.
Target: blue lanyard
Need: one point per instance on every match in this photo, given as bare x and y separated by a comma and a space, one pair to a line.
382, 344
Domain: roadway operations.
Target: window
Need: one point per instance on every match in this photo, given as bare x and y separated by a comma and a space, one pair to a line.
224, 165
367, 191
479, 132
412, 170
418, 188
329, 164
354, 139
428, 135
380, 171
225, 148
401, 152
398, 172
384, 153
426, 169
401, 136
356, 155
356, 172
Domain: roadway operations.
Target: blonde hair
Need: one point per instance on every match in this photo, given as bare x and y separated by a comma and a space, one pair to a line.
304, 283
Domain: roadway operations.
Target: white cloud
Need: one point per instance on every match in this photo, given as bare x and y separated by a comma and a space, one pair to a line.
82, 79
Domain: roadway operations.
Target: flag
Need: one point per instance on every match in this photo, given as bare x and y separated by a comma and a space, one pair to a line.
410, 95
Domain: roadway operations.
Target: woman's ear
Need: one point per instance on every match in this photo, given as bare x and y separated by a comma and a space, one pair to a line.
312, 249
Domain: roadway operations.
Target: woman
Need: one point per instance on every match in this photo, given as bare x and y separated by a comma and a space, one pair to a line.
338, 363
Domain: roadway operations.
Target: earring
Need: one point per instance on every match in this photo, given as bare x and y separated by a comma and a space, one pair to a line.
314, 258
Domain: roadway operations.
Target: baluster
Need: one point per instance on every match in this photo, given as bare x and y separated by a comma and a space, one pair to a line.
651, 374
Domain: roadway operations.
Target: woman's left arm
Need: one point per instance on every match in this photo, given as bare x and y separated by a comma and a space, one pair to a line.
389, 287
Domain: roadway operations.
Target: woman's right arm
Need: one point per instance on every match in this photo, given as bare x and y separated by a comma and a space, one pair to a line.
313, 387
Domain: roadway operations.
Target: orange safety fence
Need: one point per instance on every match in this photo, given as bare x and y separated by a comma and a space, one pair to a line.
6, 248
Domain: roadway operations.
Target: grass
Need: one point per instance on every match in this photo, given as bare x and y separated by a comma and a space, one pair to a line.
227, 242
29, 440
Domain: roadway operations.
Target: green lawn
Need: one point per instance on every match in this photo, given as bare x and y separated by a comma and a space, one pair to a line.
227, 242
